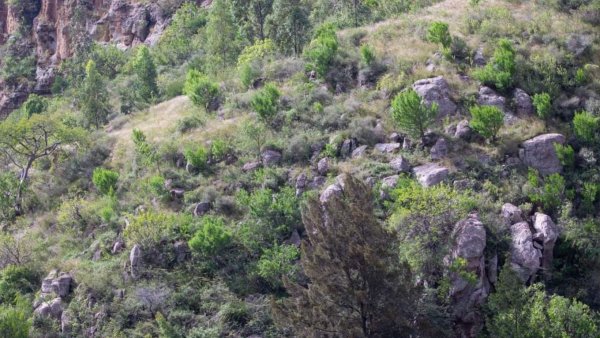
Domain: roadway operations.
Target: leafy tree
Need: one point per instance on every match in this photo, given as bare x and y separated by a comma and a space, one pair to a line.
585, 126
181, 38
549, 195
24, 141
145, 69
266, 102
411, 114
93, 96
105, 180
288, 25
487, 121
146, 152
212, 237
500, 70
251, 17
438, 33
35, 104
250, 61
356, 286
543, 105
200, 89
277, 262
255, 133
222, 45
322, 49
16, 280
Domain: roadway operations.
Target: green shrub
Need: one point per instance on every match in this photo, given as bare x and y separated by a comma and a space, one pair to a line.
219, 148
197, 156
500, 70
411, 114
543, 105
149, 228
589, 194
367, 54
8, 187
14, 320
585, 126
156, 184
188, 123
277, 262
212, 237
105, 180
322, 49
200, 89
438, 33
17, 280
251, 60
487, 121
146, 152
266, 102
549, 195
566, 155
35, 104
145, 69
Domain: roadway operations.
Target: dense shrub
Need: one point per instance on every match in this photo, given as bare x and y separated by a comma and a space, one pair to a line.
14, 320
500, 70
105, 180
200, 89
486, 120
585, 126
549, 193
212, 236
149, 228
566, 155
411, 114
322, 49
197, 156
8, 188
266, 102
367, 54
438, 33
145, 70
15, 281
277, 262
543, 105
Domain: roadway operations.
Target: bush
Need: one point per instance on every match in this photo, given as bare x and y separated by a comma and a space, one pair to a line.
322, 49
550, 195
17, 280
411, 114
200, 89
149, 228
8, 187
212, 237
500, 70
277, 262
14, 320
486, 120
588, 196
265, 102
157, 185
197, 157
566, 155
438, 33
105, 180
542, 105
35, 104
145, 69
585, 126
367, 54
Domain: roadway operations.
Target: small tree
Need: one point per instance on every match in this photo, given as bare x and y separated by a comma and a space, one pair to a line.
35, 104
501, 69
585, 126
105, 180
146, 152
212, 237
265, 102
93, 97
145, 69
543, 105
367, 55
438, 33
322, 49
411, 114
8, 189
200, 89
487, 121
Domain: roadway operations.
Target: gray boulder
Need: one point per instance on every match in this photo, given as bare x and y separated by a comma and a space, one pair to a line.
251, 166
525, 257
135, 260
182, 251
430, 174
52, 309
406, 144
118, 247
436, 90
387, 147
400, 165
270, 158
488, 97
301, 183
202, 208
539, 153
479, 58
331, 191
511, 214
360, 151
547, 233
578, 44
463, 130
348, 147
439, 149
522, 102
323, 166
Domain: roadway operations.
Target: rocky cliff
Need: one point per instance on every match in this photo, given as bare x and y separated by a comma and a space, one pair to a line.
52, 30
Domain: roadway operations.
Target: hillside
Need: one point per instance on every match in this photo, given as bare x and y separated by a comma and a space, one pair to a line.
316, 168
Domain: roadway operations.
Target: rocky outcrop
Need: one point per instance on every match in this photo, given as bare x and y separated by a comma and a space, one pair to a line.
58, 27
468, 296
436, 90
430, 174
387, 147
525, 257
270, 158
488, 97
511, 214
135, 260
546, 233
539, 153
522, 102
400, 165
439, 149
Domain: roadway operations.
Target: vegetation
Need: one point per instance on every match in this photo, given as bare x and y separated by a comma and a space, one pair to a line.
411, 114
201, 90
500, 70
487, 121
265, 102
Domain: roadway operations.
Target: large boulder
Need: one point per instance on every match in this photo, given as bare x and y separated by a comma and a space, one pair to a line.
400, 165
539, 153
430, 174
348, 147
436, 90
62, 284
323, 166
388, 147
463, 130
52, 309
525, 257
135, 260
511, 214
547, 233
488, 97
270, 158
522, 102
467, 298
439, 149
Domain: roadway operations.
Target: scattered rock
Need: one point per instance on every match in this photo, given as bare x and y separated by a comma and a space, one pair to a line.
539, 153
396, 138
387, 147
182, 251
463, 130
488, 97
270, 158
400, 164
251, 166
301, 183
295, 239
578, 44
359, 152
135, 260
97, 255
329, 192
429, 139
570, 103
479, 58
439, 149
430, 174
525, 258
323, 166
522, 102
61, 285
511, 214
388, 183
406, 144
177, 193
118, 246
348, 147
436, 90
318, 182
202, 209
547, 232
52, 309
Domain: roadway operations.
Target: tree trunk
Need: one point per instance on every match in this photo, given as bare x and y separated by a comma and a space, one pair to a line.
22, 181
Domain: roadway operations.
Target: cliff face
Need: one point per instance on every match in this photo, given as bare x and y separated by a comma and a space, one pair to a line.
60, 24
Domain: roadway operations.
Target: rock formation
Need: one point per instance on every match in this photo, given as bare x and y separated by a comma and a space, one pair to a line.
539, 153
